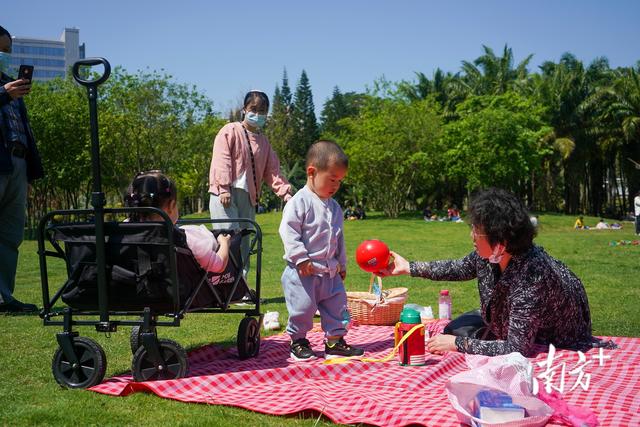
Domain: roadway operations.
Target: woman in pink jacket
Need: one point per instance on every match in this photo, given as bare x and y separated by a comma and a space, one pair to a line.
242, 160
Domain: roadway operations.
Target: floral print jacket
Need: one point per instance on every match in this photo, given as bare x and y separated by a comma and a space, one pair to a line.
535, 300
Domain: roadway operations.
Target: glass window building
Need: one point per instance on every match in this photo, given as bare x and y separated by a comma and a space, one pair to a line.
50, 58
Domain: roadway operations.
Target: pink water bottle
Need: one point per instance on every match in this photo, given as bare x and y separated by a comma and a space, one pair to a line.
444, 305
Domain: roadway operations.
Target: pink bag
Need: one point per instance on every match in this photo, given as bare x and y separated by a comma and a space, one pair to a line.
512, 374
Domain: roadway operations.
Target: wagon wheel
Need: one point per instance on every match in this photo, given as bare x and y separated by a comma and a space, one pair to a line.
135, 341
90, 369
173, 363
248, 338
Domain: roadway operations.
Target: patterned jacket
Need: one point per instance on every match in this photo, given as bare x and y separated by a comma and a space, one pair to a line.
34, 164
535, 300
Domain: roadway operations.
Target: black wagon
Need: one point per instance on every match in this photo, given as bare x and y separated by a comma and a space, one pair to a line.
137, 274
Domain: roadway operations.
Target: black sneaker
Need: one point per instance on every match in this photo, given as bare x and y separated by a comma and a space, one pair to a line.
16, 306
341, 349
301, 350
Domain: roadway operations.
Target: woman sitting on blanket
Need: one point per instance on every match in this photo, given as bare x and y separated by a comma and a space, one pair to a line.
526, 296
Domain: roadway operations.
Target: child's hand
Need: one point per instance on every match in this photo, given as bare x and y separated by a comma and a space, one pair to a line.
223, 239
306, 268
343, 274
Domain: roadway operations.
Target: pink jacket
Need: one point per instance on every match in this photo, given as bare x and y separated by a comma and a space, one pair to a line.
231, 157
204, 247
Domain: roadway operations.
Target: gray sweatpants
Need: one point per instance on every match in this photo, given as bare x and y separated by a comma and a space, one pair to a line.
305, 295
240, 207
13, 205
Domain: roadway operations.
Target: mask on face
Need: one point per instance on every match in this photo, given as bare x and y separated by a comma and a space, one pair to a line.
497, 254
5, 60
256, 120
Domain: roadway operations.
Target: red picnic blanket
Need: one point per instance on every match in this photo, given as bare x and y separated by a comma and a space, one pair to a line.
378, 393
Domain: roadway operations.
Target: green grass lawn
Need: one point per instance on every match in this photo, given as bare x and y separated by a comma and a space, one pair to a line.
29, 394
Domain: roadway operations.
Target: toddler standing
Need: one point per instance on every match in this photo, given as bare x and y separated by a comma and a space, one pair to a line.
313, 236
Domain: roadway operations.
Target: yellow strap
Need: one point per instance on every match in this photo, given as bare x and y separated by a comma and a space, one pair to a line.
339, 360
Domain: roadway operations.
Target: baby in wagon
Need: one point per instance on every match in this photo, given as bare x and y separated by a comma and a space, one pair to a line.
155, 189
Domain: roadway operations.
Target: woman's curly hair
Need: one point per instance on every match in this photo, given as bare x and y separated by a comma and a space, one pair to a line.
503, 218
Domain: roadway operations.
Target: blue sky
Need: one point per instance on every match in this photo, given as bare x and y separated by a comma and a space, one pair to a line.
226, 48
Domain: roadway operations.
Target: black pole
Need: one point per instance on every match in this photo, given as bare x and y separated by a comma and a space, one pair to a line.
97, 196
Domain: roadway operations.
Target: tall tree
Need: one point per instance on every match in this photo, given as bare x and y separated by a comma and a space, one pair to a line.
492, 74
305, 126
339, 106
279, 127
497, 141
393, 151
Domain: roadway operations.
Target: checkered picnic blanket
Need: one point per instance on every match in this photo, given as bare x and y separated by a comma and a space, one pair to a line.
376, 393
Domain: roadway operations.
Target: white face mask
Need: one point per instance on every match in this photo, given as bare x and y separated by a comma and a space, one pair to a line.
5, 61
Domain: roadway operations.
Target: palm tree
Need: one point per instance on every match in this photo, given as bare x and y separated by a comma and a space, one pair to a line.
618, 109
494, 75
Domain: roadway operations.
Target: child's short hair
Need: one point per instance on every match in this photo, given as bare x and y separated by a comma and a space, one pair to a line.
256, 95
149, 189
325, 153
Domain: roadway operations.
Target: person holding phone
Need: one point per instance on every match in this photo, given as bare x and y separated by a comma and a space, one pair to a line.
19, 164
242, 159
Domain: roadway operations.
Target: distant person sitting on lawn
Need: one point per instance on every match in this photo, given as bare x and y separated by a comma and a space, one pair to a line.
350, 214
453, 214
579, 224
636, 207
426, 213
312, 232
602, 225
360, 212
526, 296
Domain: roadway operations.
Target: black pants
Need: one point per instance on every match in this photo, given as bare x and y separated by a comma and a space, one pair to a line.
470, 324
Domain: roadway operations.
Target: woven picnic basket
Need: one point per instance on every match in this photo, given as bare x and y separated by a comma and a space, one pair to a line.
367, 308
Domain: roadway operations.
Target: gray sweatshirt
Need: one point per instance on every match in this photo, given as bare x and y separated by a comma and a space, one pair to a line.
312, 229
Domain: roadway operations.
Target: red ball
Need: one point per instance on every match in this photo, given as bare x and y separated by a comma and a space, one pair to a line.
372, 255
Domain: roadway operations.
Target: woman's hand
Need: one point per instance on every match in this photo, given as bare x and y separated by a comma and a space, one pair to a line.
396, 268
18, 88
441, 343
306, 268
225, 199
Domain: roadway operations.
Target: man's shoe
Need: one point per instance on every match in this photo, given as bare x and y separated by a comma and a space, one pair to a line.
16, 306
301, 350
341, 349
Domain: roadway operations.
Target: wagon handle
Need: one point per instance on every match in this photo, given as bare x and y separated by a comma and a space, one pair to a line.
91, 62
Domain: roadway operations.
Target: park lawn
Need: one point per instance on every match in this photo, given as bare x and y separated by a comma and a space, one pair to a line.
29, 394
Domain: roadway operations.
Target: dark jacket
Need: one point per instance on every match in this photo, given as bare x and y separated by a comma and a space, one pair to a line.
34, 164
536, 300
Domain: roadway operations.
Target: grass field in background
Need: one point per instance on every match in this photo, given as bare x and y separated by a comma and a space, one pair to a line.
29, 394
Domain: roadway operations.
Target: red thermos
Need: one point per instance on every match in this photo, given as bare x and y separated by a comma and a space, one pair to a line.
411, 352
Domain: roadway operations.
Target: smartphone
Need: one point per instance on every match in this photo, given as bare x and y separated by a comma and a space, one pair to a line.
25, 72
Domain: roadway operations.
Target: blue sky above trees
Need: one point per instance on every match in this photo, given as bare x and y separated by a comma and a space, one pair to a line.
227, 48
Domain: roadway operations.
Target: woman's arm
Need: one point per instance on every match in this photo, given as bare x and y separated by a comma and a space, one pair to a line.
274, 178
455, 270
220, 173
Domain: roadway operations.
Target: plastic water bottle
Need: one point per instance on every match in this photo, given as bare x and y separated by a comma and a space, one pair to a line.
444, 305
